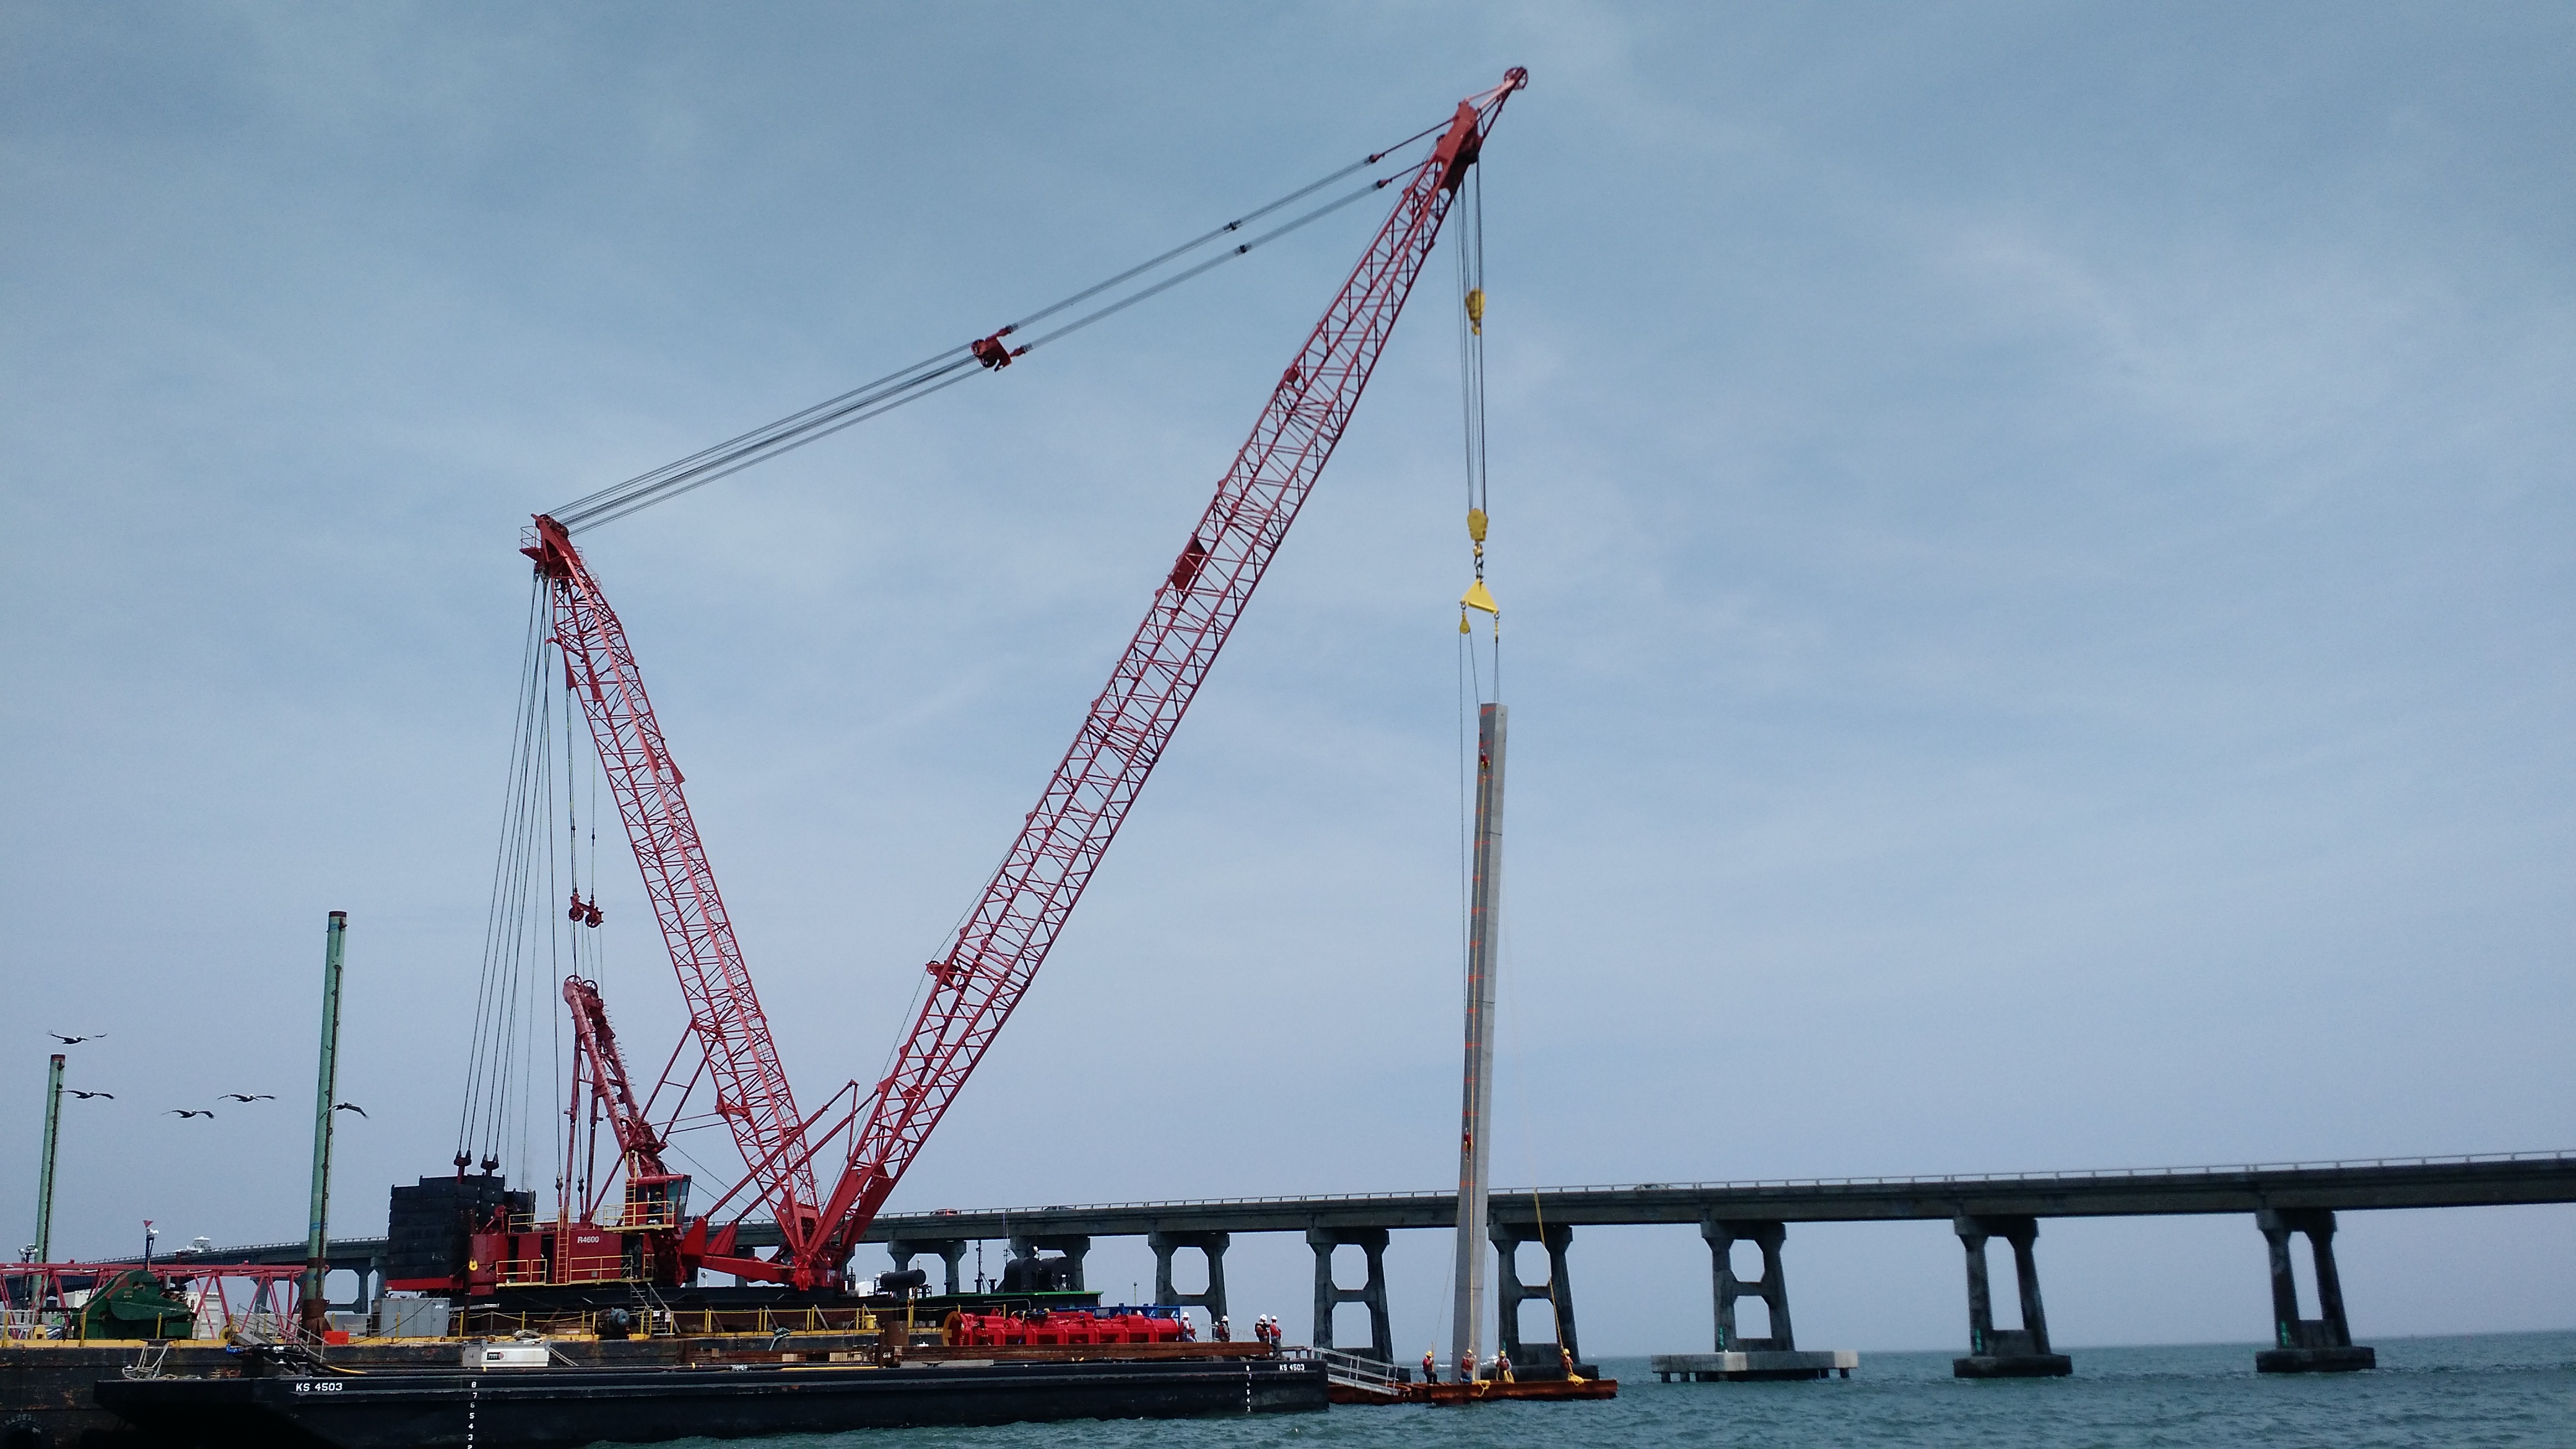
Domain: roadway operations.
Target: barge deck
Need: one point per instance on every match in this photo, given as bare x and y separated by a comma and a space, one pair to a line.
556, 1408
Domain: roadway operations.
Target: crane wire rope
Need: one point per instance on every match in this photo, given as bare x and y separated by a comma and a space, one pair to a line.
569, 1125
528, 877
495, 1068
1473, 673
947, 368
1471, 398
523, 993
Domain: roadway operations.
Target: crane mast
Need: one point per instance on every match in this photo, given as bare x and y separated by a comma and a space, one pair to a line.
995, 955
752, 1095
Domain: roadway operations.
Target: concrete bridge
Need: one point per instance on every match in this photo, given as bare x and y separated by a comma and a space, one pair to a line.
2284, 1200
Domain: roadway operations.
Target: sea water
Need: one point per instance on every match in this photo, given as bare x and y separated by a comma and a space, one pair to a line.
2486, 1390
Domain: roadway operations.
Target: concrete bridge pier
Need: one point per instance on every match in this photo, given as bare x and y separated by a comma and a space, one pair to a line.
2006, 1353
950, 1251
1536, 1360
362, 1297
2307, 1345
1210, 1245
1329, 1292
1029, 1272
1775, 1354
1772, 1288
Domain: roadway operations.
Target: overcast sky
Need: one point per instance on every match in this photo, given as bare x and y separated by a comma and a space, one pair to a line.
2034, 540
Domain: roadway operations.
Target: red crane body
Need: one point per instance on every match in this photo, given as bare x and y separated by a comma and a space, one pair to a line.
995, 955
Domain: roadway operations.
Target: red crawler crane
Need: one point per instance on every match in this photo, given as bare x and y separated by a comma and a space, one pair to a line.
997, 952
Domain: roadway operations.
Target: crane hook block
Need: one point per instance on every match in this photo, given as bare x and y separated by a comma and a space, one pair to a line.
1476, 524
1476, 310
990, 351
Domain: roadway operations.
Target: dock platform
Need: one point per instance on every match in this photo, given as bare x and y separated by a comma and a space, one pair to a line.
1481, 1392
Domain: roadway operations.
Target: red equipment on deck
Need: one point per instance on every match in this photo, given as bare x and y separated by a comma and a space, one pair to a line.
995, 955
1065, 1326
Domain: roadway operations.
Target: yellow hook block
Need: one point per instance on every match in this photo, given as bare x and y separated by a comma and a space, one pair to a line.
1476, 524
1476, 311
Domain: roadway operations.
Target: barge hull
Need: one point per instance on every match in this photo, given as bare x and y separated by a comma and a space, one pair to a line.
562, 1408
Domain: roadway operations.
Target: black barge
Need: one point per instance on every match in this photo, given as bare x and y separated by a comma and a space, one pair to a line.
549, 1407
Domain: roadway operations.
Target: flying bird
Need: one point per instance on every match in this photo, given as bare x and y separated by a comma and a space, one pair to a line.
348, 1107
85, 1096
77, 1040
249, 1097
184, 1112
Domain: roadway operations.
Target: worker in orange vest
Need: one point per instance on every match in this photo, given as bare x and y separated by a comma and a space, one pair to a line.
1430, 1367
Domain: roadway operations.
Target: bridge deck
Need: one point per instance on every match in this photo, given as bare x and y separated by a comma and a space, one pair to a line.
2470, 1181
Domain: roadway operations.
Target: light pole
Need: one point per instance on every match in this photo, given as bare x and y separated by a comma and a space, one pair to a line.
317, 1239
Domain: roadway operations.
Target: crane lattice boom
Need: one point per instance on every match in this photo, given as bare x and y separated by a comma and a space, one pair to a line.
752, 1094
997, 952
